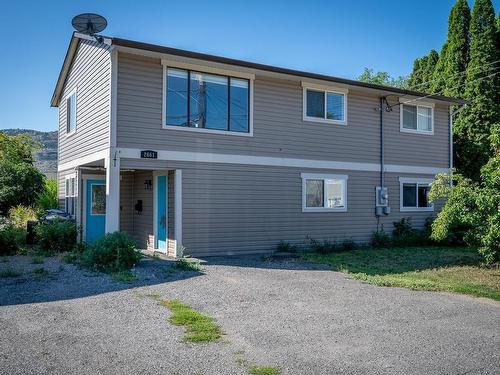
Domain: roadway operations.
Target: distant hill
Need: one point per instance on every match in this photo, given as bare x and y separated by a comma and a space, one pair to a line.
46, 159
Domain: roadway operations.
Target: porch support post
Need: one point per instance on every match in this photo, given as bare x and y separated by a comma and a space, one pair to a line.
112, 191
178, 210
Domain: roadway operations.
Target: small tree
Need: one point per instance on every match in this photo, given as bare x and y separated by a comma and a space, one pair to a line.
382, 78
47, 198
20, 180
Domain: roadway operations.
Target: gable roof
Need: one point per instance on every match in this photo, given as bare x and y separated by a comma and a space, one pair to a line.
131, 44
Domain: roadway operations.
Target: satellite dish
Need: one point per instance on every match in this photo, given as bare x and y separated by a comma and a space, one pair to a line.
89, 23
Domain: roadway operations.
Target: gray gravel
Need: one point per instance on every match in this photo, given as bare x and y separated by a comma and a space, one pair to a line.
301, 318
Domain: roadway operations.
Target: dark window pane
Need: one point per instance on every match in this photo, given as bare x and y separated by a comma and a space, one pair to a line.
315, 104
98, 200
409, 195
423, 191
239, 105
409, 117
335, 106
314, 193
177, 89
208, 102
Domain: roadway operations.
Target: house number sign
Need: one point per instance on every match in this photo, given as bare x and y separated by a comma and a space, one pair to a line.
148, 154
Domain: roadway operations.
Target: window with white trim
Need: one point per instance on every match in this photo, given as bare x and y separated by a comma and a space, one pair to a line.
324, 192
324, 105
207, 101
417, 118
71, 113
70, 194
414, 194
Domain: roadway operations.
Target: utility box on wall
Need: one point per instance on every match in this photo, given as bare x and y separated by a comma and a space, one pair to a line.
382, 201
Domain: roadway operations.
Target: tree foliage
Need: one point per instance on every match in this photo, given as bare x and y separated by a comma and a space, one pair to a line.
20, 180
383, 78
423, 71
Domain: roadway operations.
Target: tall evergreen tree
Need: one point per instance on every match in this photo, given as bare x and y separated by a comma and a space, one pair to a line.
472, 129
457, 56
417, 74
423, 69
438, 78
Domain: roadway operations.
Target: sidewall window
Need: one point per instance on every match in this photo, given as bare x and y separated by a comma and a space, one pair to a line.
414, 194
71, 113
324, 105
417, 119
324, 192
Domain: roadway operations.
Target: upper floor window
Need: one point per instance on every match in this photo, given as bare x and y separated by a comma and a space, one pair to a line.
322, 192
414, 194
71, 113
207, 101
417, 118
324, 105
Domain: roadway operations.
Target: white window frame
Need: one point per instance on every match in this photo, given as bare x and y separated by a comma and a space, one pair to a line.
409, 102
417, 181
67, 179
325, 89
210, 70
324, 177
70, 94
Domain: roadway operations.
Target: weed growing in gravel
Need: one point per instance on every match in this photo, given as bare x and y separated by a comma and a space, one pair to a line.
41, 272
37, 260
10, 272
124, 276
263, 370
187, 265
200, 327
154, 295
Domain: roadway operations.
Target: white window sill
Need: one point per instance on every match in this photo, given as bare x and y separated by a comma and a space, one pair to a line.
70, 134
323, 120
413, 131
208, 131
323, 209
416, 209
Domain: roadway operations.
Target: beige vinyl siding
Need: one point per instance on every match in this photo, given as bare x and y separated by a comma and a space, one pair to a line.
237, 209
90, 75
127, 211
279, 130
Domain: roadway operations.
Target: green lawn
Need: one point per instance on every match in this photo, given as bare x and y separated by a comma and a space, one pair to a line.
447, 269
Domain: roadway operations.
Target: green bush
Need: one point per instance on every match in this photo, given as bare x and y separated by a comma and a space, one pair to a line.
404, 234
380, 239
47, 198
56, 236
348, 245
11, 239
324, 246
20, 215
286, 247
113, 253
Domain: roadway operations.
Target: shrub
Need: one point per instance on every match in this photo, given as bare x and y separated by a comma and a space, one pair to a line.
113, 253
187, 265
348, 245
323, 247
47, 198
20, 215
380, 239
56, 236
404, 234
286, 247
11, 238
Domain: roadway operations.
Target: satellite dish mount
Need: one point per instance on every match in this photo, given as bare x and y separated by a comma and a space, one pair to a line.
90, 24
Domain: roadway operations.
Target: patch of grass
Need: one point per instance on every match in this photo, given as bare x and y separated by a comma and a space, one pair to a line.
185, 264
199, 327
41, 272
263, 370
124, 276
10, 272
456, 270
37, 259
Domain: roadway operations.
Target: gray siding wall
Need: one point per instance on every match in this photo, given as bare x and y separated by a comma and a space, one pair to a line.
236, 209
90, 75
278, 127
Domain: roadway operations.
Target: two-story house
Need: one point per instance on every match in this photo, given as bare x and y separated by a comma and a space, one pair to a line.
230, 157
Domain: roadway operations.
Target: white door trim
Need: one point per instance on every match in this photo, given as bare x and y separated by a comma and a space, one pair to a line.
155, 208
84, 179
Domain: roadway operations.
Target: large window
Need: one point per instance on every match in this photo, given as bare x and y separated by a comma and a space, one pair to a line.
71, 113
324, 192
70, 194
207, 101
417, 119
414, 194
324, 106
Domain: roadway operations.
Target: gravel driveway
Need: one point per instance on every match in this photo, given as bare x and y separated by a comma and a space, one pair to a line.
300, 318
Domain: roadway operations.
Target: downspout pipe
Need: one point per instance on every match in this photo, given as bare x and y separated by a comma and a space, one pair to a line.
382, 167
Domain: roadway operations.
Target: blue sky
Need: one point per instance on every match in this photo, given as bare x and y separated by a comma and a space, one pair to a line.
333, 37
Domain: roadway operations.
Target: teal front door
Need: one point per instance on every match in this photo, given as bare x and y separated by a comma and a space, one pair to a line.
95, 214
161, 212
